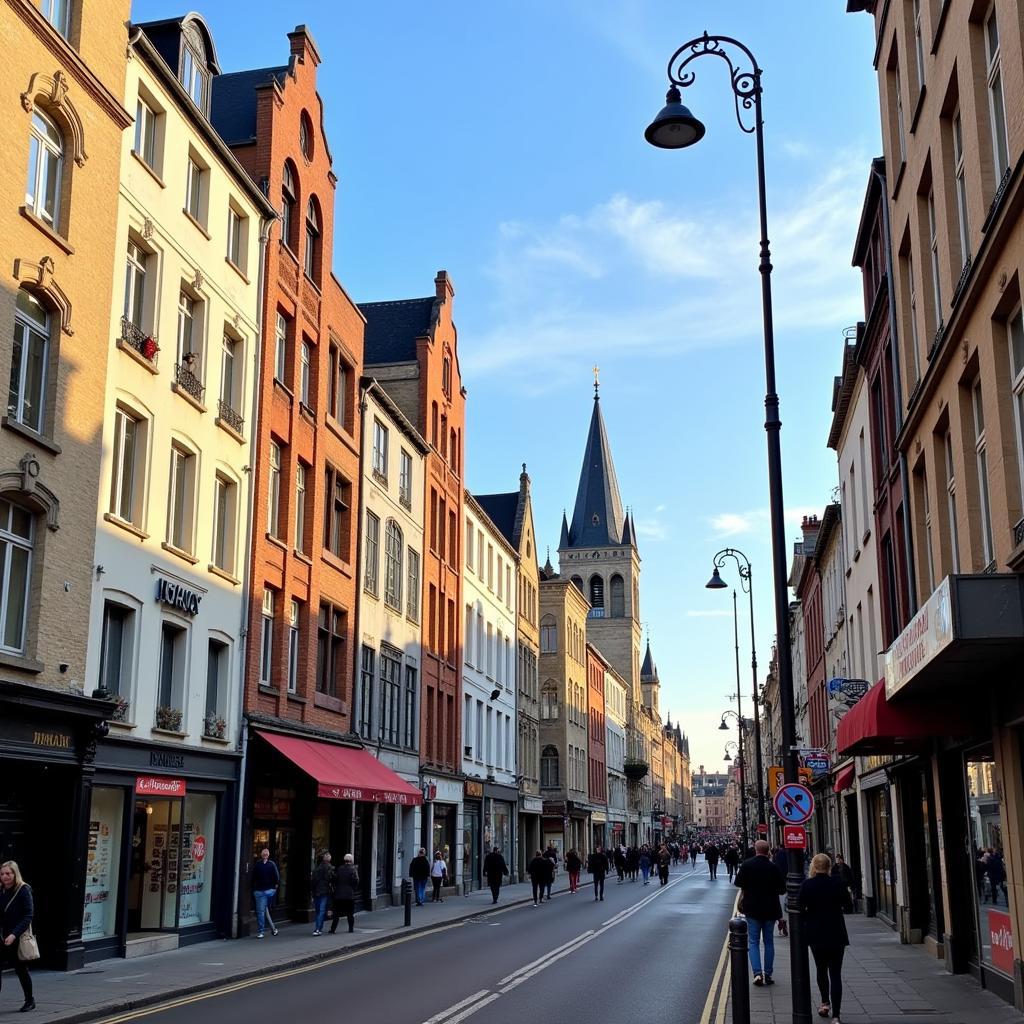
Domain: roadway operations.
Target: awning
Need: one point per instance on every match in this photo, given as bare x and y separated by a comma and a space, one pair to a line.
344, 773
874, 726
844, 779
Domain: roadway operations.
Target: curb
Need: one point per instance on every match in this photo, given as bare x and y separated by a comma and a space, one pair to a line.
304, 960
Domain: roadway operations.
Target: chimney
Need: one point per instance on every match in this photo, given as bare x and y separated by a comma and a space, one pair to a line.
810, 527
444, 289
302, 45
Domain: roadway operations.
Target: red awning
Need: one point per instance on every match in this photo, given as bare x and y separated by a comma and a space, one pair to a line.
874, 726
844, 778
344, 773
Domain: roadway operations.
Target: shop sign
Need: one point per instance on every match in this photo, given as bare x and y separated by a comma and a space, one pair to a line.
926, 636
794, 837
598, 817
177, 595
617, 826
441, 790
155, 785
373, 796
818, 763
776, 774
1000, 930
554, 807
166, 759
52, 740
666, 821
272, 807
199, 849
532, 804
847, 691
474, 788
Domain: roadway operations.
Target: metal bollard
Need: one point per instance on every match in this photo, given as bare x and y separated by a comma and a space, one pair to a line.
407, 900
740, 981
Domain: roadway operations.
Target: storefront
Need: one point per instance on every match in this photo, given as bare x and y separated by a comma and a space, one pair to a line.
599, 829
47, 747
472, 835
499, 820
160, 848
441, 825
528, 835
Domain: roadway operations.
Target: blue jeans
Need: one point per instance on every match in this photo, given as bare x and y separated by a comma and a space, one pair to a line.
421, 890
756, 931
320, 902
262, 898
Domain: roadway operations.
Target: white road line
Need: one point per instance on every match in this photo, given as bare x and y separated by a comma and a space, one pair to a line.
470, 1010
438, 1017
541, 959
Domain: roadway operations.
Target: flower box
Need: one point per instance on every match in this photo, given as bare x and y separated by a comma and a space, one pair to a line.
214, 726
169, 719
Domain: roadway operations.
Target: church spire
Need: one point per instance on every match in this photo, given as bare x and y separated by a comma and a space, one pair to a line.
597, 518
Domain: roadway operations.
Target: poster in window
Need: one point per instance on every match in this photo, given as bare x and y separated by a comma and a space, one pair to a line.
197, 859
102, 863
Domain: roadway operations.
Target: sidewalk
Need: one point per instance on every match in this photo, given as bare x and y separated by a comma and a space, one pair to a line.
884, 982
112, 986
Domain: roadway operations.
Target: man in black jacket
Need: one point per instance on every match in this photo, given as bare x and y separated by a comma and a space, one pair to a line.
419, 872
494, 869
597, 865
762, 884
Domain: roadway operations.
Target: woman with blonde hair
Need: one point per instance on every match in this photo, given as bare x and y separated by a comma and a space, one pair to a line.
15, 919
823, 901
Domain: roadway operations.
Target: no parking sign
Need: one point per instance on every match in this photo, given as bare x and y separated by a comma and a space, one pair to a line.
794, 803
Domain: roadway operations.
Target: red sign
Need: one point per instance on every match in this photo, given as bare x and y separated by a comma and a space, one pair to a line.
373, 796
157, 785
1000, 931
666, 822
199, 849
762, 828
794, 837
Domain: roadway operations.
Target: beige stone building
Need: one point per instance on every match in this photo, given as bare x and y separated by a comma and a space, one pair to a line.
63, 117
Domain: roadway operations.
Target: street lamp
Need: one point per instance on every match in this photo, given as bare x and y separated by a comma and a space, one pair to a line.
743, 773
746, 582
675, 127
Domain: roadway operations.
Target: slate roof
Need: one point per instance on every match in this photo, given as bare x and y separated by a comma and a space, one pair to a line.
597, 519
501, 509
393, 327
649, 671
233, 102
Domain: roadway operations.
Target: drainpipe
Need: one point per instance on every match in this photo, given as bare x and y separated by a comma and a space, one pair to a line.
243, 630
898, 388
356, 644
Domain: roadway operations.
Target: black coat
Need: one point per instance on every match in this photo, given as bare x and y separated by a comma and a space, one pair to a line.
323, 879
711, 853
16, 909
541, 870
264, 876
762, 884
823, 899
419, 868
573, 862
346, 883
597, 864
494, 866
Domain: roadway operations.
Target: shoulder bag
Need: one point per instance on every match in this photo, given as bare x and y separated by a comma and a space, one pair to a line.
28, 948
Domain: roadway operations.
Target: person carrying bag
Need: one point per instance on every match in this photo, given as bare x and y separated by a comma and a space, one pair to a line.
17, 941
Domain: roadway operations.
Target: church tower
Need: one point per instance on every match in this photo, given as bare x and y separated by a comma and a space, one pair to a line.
650, 684
598, 552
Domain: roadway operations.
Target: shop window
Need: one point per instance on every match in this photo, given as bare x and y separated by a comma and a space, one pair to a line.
117, 655
217, 668
102, 869
198, 837
173, 657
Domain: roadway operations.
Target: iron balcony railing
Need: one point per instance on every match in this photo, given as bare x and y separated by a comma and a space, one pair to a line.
232, 418
188, 381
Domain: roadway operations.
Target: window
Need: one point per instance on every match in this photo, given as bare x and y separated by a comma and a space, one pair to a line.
288, 205
224, 505
305, 363
933, 244
596, 597
29, 358
929, 565
193, 76
919, 45
366, 674
189, 335
1015, 340
230, 374
173, 655
330, 650
135, 284
336, 514
390, 694
393, 546
915, 338
274, 491
548, 635
58, 14
306, 135
409, 720
954, 547
312, 239
338, 386
900, 119
216, 683
181, 498
549, 768
300, 506
380, 451
372, 553
124, 501
17, 530
280, 346
45, 169
145, 133
446, 376
267, 638
116, 652
413, 586
961, 189
549, 700
194, 190
405, 479
237, 223
618, 594
981, 454
293, 647
996, 107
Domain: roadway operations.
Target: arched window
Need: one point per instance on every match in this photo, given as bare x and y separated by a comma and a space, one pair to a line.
549, 768
45, 169
393, 547
288, 200
548, 635
446, 376
306, 136
26, 398
636, 601
618, 597
17, 534
549, 700
312, 239
597, 595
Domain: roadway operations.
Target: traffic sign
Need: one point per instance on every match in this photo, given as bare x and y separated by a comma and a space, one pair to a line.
775, 774
762, 828
794, 837
794, 803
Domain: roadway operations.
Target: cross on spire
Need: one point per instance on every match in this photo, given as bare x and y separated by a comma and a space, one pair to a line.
597, 381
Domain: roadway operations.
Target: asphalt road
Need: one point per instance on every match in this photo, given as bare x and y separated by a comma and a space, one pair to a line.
642, 954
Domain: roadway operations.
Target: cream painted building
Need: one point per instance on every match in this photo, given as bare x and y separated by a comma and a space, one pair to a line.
172, 541
489, 729
616, 715
387, 692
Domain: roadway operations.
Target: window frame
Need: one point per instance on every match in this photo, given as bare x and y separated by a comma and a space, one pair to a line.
394, 546
981, 460
371, 558
46, 159
10, 542
225, 506
181, 497
412, 606
118, 490
996, 95
26, 331
294, 638
267, 637
274, 490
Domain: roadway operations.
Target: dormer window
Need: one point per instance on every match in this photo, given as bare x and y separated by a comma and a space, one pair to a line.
194, 75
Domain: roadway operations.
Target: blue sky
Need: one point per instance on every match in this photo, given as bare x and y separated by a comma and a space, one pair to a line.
504, 142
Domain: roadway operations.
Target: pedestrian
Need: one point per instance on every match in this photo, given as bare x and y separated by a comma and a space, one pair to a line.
823, 900
632, 863
16, 910
323, 890
419, 872
780, 858
664, 862
995, 868
573, 864
495, 869
620, 865
843, 871
438, 876
551, 855
762, 884
732, 860
694, 850
263, 881
539, 869
645, 864
346, 885
597, 866
711, 855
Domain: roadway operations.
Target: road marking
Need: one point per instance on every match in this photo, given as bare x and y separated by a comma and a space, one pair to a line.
541, 959
438, 1017
716, 982
470, 1010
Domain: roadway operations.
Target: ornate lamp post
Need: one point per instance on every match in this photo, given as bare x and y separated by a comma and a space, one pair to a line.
743, 772
675, 127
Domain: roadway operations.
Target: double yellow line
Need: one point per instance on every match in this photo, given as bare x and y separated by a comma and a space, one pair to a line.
718, 993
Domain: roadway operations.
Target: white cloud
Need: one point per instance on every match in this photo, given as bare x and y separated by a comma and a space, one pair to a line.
652, 529
733, 524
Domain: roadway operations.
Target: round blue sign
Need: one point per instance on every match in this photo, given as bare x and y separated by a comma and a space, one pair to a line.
794, 803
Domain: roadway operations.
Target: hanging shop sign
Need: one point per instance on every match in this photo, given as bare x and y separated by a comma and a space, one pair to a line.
925, 637
775, 777
847, 691
818, 763
474, 788
794, 837
158, 785
177, 595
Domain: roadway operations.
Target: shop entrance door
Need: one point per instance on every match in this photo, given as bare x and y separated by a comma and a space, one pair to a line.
154, 868
279, 842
